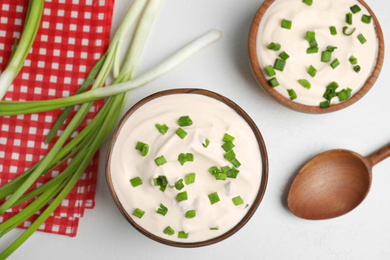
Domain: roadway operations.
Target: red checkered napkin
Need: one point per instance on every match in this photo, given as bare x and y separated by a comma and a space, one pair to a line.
73, 35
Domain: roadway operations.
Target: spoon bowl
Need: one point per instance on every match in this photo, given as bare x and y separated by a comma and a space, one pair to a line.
333, 183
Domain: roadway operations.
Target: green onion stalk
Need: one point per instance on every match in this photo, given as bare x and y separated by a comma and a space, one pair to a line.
84, 146
15, 64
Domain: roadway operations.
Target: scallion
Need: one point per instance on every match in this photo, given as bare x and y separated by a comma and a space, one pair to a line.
279, 64
227, 146
274, 46
366, 19
162, 210
284, 56
273, 82
308, 2
335, 63
353, 60
182, 196
330, 91
286, 24
228, 138
169, 231
292, 94
184, 121
304, 83
345, 28
357, 68
190, 178
333, 30
185, 157
312, 50
355, 9
162, 128
270, 70
325, 104
206, 143
143, 148
191, 213
361, 39
344, 94
348, 18
214, 198
179, 184
160, 160
136, 181
138, 213
237, 200
326, 56
181, 133
312, 71
182, 234
161, 181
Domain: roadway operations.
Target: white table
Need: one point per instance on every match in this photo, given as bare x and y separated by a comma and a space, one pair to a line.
291, 138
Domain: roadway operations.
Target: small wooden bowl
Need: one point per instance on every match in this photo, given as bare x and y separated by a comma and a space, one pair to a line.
264, 173
262, 81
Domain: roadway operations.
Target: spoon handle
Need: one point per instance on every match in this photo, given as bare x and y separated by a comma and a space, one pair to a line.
379, 155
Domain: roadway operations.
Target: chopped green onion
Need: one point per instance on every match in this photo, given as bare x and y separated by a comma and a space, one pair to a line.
353, 60
313, 44
184, 121
206, 143
292, 94
361, 38
355, 9
326, 56
214, 198
312, 50
274, 46
312, 71
345, 28
333, 30
286, 24
357, 68
179, 184
182, 196
235, 163
161, 181
190, 178
270, 70
214, 170
366, 19
348, 18
138, 213
237, 200
279, 64
331, 91
228, 146
221, 177
143, 148
162, 128
335, 63
232, 173
136, 181
325, 104
273, 82
304, 83
162, 210
214, 228
311, 36
182, 234
190, 213
344, 94
308, 2
181, 133
331, 48
284, 56
160, 160
228, 138
230, 155
169, 231
183, 158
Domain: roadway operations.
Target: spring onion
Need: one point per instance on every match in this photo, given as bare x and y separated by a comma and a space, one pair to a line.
270, 70
232, 172
292, 94
160, 160
326, 56
366, 19
143, 148
273, 82
206, 143
304, 83
335, 63
228, 138
333, 30
162, 128
330, 91
136, 181
345, 28
227, 146
237, 200
181, 133
15, 64
344, 94
312, 50
214, 228
162, 210
348, 18
182, 234
355, 9
279, 64
284, 56
161, 181
361, 39
308, 2
325, 104
214, 198
190, 178
191, 213
169, 231
138, 213
185, 157
179, 184
182, 196
184, 121
286, 24
274, 46
353, 60
357, 68
312, 71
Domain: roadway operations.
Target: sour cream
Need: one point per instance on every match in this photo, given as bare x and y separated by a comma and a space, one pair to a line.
317, 18
211, 120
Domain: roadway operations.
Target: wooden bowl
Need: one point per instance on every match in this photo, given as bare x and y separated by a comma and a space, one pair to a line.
262, 81
263, 173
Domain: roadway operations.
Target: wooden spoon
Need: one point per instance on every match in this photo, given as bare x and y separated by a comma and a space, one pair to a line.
333, 183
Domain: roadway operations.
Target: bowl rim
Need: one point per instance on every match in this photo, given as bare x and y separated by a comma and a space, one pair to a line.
261, 79
263, 155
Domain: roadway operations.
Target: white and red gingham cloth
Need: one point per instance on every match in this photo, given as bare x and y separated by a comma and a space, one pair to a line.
72, 36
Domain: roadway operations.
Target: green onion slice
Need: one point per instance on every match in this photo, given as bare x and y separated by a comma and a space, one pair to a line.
292, 94
279, 64
353, 60
304, 83
308, 2
357, 68
206, 143
348, 18
169, 231
190, 178
227, 146
143, 148
179, 184
335, 63
284, 56
274, 46
228, 138
161, 181
270, 70
162, 210
214, 198
184, 121
237, 200
182, 234
182, 196
325, 104
361, 38
138, 213
355, 9
181, 133
160, 160
286, 24
345, 28
136, 181
190, 213
333, 30
162, 128
366, 19
312, 71
344, 94
185, 157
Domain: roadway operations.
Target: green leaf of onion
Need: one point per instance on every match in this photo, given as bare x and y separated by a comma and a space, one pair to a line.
143, 148
335, 63
190, 178
286, 24
182, 196
292, 94
304, 83
274, 46
270, 70
353, 60
136, 181
312, 71
162, 128
179, 184
169, 231
228, 138
182, 234
138, 213
185, 157
348, 18
355, 9
181, 133
333, 30
237, 200
162, 210
214, 198
284, 56
206, 143
273, 82
361, 39
184, 121
160, 160
279, 64
366, 19
308, 2
190, 213
345, 28
344, 94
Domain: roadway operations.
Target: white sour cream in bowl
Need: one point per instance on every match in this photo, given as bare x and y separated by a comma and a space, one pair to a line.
187, 167
316, 56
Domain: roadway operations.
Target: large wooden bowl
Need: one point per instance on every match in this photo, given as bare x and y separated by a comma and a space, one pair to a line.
263, 173
262, 81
